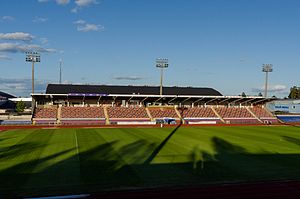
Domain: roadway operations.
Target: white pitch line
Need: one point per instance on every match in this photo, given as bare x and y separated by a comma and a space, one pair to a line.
76, 144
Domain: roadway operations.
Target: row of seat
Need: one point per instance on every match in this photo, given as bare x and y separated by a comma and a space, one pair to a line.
155, 112
260, 112
124, 112
46, 112
195, 112
163, 112
233, 112
82, 112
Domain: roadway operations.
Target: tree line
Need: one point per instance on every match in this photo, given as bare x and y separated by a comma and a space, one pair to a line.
294, 93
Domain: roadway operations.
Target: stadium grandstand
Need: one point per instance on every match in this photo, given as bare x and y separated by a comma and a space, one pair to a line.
109, 104
5, 102
7, 110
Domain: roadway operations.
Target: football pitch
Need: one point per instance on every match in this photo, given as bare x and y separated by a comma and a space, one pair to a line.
40, 162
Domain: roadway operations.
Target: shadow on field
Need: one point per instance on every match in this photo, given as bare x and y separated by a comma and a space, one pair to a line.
107, 166
161, 145
292, 140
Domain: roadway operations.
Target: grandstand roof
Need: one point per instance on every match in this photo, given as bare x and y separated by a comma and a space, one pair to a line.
5, 96
143, 90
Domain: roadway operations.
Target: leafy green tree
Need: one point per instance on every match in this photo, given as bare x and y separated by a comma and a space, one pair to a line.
20, 106
294, 93
244, 94
260, 94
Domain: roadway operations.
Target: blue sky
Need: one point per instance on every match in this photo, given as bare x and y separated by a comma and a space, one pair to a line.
209, 43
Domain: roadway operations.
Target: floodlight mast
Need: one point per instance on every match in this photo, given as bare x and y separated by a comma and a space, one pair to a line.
60, 63
267, 68
161, 63
33, 57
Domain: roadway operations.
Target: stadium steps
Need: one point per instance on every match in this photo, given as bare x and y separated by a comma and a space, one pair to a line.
58, 116
106, 115
179, 115
217, 114
149, 114
269, 112
253, 114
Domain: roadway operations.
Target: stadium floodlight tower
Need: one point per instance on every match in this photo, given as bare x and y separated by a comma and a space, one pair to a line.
161, 63
267, 68
33, 57
60, 63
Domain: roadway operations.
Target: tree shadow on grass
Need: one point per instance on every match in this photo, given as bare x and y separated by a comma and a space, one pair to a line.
292, 140
161, 145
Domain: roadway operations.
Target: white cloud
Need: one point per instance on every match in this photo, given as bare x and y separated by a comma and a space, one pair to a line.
90, 27
7, 18
4, 57
16, 36
39, 19
131, 78
277, 88
80, 21
15, 48
59, 2
83, 26
82, 3
271, 88
22, 86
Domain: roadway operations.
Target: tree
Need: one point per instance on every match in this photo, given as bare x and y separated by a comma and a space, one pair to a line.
260, 94
20, 106
243, 94
294, 93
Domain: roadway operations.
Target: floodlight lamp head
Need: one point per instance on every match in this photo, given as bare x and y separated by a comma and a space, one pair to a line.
162, 63
267, 68
33, 57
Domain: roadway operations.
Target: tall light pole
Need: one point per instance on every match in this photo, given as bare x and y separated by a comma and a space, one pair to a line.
267, 68
60, 63
161, 63
33, 57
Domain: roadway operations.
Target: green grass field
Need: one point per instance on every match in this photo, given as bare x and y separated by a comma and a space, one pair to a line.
35, 162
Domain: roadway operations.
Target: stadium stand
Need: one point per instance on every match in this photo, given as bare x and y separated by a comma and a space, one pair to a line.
260, 112
108, 104
45, 112
82, 115
127, 112
236, 115
127, 115
82, 112
263, 114
199, 115
163, 112
45, 115
198, 112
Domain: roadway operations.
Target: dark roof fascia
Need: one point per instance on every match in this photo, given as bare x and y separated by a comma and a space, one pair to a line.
114, 89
